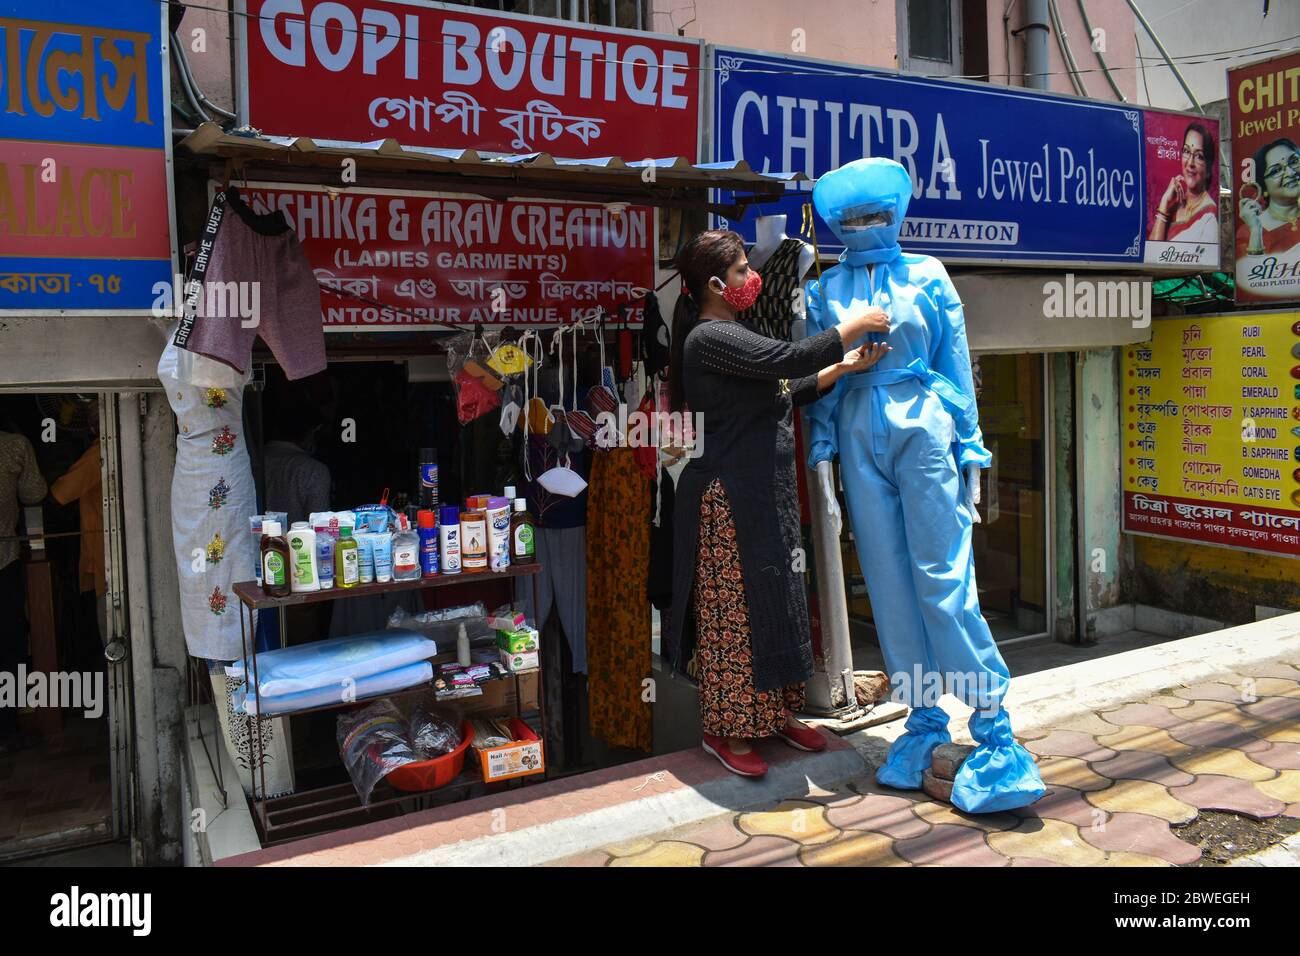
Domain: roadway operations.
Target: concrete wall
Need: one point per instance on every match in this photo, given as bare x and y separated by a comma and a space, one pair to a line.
852, 31
1218, 583
1006, 52
206, 35
1098, 482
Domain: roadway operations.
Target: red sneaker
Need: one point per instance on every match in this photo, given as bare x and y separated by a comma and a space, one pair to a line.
747, 765
803, 738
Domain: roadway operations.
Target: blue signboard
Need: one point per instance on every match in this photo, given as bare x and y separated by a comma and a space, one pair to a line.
85, 221
999, 174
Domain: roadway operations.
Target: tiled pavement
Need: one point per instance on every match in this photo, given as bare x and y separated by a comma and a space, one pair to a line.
1119, 781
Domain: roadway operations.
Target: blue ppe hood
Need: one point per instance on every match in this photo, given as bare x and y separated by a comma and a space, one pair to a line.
864, 203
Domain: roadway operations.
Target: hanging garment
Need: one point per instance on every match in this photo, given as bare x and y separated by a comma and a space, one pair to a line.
562, 584
212, 498
729, 704
905, 432
659, 582
655, 337
618, 614
257, 256
774, 311
552, 510
736, 380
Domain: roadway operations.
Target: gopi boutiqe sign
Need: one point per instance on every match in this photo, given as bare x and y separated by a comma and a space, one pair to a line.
448, 76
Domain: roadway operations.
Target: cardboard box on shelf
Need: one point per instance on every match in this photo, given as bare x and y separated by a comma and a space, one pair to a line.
521, 758
518, 640
519, 661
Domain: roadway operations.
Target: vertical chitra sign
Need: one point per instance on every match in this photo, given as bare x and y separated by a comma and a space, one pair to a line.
1212, 432
1264, 110
84, 140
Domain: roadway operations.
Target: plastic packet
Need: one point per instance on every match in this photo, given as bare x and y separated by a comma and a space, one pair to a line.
431, 734
444, 624
373, 742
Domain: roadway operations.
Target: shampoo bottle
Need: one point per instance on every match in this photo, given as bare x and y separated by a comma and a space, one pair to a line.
347, 559
302, 548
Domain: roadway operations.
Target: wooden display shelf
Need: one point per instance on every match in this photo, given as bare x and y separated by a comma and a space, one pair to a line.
322, 809
252, 596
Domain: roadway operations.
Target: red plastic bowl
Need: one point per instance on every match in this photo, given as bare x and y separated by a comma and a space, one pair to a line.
438, 772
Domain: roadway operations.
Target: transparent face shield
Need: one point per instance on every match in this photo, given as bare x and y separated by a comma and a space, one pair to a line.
865, 217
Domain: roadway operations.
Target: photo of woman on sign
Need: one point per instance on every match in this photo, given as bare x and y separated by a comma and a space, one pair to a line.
1189, 209
1268, 205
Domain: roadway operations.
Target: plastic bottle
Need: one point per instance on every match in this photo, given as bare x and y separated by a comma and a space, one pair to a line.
302, 548
325, 558
428, 543
406, 552
365, 556
462, 647
449, 538
347, 559
523, 548
275, 560
498, 534
473, 542
382, 549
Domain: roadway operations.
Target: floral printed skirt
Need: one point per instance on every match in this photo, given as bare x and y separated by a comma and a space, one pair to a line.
724, 666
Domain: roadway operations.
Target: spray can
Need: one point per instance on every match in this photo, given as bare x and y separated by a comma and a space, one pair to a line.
428, 543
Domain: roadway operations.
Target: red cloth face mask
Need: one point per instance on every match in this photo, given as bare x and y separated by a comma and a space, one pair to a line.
742, 297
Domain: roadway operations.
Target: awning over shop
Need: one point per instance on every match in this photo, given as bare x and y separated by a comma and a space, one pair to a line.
673, 182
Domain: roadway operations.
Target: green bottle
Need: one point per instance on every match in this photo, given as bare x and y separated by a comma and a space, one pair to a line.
347, 564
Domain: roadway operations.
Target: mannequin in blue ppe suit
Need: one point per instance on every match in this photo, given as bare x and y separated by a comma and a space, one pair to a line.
908, 436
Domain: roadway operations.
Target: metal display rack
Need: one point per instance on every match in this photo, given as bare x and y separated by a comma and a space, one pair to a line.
303, 813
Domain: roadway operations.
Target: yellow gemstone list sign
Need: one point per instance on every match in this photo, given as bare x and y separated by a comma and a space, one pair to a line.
1212, 432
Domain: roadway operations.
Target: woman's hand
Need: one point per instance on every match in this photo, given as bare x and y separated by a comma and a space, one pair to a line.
1175, 196
875, 319
1250, 211
855, 360
871, 319
863, 357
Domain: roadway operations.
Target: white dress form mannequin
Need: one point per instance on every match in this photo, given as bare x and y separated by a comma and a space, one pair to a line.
769, 233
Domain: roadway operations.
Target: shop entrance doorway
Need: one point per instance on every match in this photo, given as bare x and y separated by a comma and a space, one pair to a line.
65, 755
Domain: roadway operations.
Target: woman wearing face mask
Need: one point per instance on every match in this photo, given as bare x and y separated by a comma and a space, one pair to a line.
737, 556
1189, 208
1272, 228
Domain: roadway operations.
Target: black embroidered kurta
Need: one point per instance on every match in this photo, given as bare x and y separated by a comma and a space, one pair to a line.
745, 384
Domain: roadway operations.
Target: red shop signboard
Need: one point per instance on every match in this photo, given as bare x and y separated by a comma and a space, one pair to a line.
434, 261
449, 77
